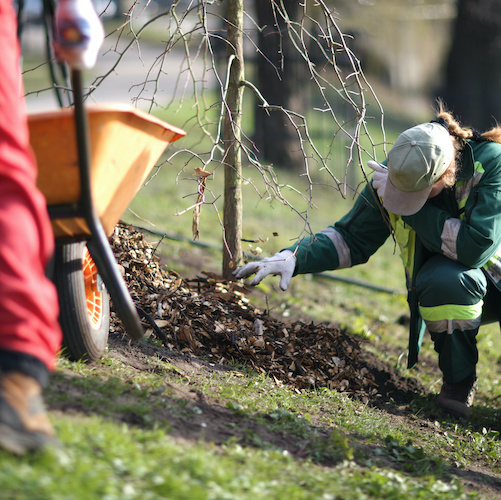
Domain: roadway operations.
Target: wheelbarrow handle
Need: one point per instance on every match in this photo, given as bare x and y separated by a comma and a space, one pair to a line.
98, 244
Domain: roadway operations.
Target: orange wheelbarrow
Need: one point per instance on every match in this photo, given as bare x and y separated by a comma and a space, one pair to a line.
91, 163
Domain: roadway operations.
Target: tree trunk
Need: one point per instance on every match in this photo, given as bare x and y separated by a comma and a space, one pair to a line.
473, 75
232, 215
282, 78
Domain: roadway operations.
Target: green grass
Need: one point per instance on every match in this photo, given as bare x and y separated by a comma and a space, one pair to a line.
359, 454
119, 463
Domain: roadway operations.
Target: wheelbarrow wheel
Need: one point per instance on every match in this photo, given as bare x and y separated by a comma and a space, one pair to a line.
84, 303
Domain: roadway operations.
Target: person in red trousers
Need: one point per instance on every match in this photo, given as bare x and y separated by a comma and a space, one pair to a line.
29, 331
30, 336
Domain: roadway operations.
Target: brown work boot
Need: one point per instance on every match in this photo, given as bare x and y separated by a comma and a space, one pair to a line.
24, 425
457, 399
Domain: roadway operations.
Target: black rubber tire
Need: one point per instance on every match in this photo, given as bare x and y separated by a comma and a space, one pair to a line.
85, 321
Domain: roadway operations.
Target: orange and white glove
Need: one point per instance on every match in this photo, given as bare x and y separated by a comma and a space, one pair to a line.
79, 33
282, 263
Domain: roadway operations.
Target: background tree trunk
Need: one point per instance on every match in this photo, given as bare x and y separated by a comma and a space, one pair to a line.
232, 215
281, 76
473, 74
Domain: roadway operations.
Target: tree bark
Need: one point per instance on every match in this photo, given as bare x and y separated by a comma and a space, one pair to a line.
281, 80
232, 215
473, 73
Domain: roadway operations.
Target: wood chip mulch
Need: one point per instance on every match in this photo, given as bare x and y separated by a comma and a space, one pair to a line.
211, 318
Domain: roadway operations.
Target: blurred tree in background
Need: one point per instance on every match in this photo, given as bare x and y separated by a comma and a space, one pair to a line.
473, 73
282, 76
402, 46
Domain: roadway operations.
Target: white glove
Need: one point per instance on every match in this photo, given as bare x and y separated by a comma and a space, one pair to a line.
380, 177
79, 33
282, 263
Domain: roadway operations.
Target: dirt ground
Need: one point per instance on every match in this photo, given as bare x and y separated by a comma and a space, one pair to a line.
201, 325
215, 423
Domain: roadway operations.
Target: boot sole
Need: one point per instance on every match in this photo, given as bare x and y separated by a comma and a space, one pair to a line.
18, 442
455, 408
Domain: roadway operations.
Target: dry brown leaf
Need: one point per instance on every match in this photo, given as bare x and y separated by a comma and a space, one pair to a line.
201, 173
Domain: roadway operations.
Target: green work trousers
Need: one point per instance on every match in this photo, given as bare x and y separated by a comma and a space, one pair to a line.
454, 300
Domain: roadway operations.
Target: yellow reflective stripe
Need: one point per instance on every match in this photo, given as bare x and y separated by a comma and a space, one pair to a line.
451, 311
462, 203
406, 240
493, 260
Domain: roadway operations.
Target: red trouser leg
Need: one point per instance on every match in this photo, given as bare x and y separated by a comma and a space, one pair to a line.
28, 300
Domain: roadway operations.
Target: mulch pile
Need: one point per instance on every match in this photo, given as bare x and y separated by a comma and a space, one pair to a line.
212, 319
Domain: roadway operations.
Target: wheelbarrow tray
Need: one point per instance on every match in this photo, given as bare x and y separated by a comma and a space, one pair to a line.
125, 145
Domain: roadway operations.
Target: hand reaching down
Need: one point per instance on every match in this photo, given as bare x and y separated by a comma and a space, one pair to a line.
282, 263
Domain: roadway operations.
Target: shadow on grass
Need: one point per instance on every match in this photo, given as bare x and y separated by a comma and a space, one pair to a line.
174, 404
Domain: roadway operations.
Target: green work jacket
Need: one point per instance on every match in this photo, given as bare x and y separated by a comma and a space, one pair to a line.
463, 223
